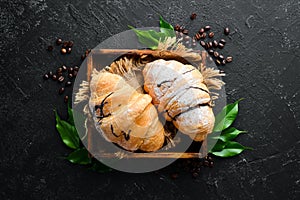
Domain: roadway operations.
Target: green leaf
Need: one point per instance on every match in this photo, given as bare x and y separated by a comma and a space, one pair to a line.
100, 167
79, 156
166, 28
230, 149
226, 117
229, 134
150, 38
67, 132
70, 114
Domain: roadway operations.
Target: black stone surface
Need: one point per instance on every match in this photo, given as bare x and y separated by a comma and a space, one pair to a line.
264, 44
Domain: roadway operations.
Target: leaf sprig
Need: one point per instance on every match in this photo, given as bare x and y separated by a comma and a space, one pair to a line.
151, 38
224, 146
70, 138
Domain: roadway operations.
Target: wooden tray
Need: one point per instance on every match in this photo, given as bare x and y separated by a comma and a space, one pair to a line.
115, 53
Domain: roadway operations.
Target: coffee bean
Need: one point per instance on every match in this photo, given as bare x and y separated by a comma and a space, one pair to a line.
206, 163
185, 31
201, 31
50, 74
195, 174
54, 77
226, 31
203, 35
218, 62
181, 28
223, 41
177, 27
65, 44
63, 51
61, 79
215, 43
221, 57
66, 99
69, 49
50, 48
202, 43
64, 68
58, 74
207, 28
208, 45
70, 70
223, 62
61, 90
76, 68
70, 44
46, 76
211, 164
58, 41
68, 83
216, 54
75, 73
221, 46
193, 16
59, 70
211, 52
229, 59
197, 36
70, 76
211, 34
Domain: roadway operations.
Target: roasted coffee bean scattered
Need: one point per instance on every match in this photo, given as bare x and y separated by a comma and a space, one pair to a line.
66, 99
215, 43
201, 31
46, 76
70, 70
50, 74
61, 90
177, 27
59, 70
229, 59
76, 68
70, 44
70, 76
63, 51
221, 46
195, 174
216, 54
202, 43
75, 73
211, 34
69, 49
207, 45
211, 52
223, 41
50, 48
61, 79
64, 68
218, 62
58, 41
197, 36
221, 57
203, 35
223, 62
207, 28
65, 44
193, 16
68, 83
226, 31
54, 77
185, 31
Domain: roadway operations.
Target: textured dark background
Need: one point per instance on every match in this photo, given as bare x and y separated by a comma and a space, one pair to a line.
265, 71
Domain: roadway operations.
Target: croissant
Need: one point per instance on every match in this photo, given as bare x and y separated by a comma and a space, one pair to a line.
180, 94
123, 115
